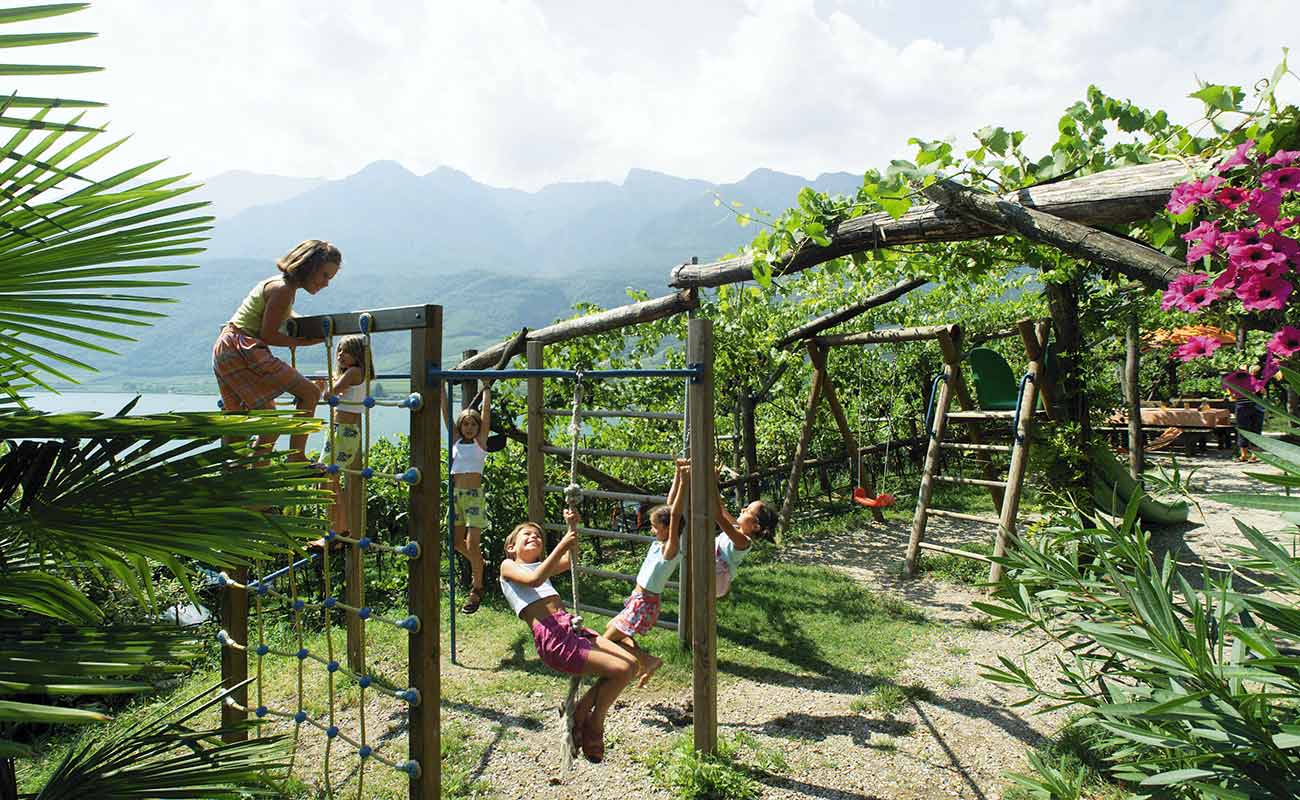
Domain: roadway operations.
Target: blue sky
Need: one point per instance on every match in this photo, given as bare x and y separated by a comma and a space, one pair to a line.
528, 92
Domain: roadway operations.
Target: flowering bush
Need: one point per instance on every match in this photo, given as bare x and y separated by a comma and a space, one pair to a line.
1243, 243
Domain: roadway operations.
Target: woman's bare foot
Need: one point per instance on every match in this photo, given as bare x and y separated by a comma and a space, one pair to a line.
649, 666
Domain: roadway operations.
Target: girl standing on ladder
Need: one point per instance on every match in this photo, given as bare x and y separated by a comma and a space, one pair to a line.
355, 368
248, 375
468, 456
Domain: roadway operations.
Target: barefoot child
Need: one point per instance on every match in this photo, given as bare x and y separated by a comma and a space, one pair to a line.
756, 521
468, 456
355, 368
248, 375
641, 609
526, 584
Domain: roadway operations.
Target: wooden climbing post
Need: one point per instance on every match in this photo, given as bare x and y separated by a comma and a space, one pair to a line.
354, 570
700, 537
1034, 336
932, 454
1016, 472
536, 439
851, 445
234, 663
796, 466
423, 577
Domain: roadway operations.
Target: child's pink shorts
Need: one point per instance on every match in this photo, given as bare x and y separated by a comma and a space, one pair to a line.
640, 613
561, 647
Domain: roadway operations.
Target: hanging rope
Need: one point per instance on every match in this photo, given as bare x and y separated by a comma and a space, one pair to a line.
572, 498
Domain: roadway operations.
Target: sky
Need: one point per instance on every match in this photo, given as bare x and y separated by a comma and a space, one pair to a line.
524, 93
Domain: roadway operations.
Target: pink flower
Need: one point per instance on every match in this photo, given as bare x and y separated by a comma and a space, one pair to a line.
1285, 245
1241, 237
1283, 158
1198, 347
1196, 299
1238, 158
1230, 197
1285, 179
1186, 282
1240, 380
1258, 256
1260, 293
1285, 224
1270, 368
1285, 343
1225, 281
1265, 204
1186, 195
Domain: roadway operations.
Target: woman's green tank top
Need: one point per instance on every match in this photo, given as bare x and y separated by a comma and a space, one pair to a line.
248, 317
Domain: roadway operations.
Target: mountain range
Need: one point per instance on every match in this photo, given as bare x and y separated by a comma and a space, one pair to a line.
496, 258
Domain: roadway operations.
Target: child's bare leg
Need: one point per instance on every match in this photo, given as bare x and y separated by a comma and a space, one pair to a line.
306, 395
617, 667
474, 554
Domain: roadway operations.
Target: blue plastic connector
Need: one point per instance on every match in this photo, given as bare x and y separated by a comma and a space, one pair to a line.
222, 579
302, 654
300, 717
332, 731
364, 612
365, 321
364, 681
411, 550
413, 401
411, 476
334, 400
364, 542
262, 587
223, 637
221, 404
364, 751
329, 536
411, 696
299, 604
327, 325
333, 666
260, 711
369, 402
411, 623
263, 649
332, 469
411, 768
330, 602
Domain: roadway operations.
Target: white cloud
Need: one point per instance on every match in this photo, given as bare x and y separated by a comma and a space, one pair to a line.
522, 93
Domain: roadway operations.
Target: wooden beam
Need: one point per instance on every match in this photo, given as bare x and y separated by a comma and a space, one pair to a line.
400, 318
601, 322
797, 463
849, 312
702, 582
599, 477
535, 439
425, 586
1010, 506
1113, 197
932, 455
234, 663
1033, 334
886, 336
1129, 258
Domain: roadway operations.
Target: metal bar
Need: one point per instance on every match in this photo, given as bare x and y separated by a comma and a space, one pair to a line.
567, 374
609, 612
601, 533
971, 481
588, 451
952, 551
625, 412
600, 494
274, 576
621, 576
390, 376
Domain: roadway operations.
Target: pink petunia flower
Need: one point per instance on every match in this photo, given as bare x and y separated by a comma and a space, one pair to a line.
1238, 157
1239, 379
1260, 293
1283, 158
1230, 197
1196, 299
1225, 280
1286, 179
1257, 256
1265, 204
1240, 237
1266, 373
1186, 195
1285, 224
1285, 245
1198, 347
1285, 343
1179, 287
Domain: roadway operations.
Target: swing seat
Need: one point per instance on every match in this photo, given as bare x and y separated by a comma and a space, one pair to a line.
882, 500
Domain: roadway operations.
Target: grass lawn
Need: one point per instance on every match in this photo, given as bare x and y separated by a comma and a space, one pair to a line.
783, 624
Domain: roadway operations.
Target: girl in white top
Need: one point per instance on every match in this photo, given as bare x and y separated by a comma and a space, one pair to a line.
468, 456
641, 609
353, 367
526, 584
755, 521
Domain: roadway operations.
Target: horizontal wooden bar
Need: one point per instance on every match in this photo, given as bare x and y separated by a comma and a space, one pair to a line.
952, 551
400, 318
662, 623
598, 494
620, 576
562, 374
590, 451
847, 313
885, 336
971, 481
616, 412
559, 527
979, 416
940, 512
995, 448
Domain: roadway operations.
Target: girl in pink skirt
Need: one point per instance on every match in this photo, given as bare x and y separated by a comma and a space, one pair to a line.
248, 375
526, 584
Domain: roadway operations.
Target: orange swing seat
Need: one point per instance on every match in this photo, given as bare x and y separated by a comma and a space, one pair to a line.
882, 500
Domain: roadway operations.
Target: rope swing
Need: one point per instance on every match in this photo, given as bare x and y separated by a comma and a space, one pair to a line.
572, 498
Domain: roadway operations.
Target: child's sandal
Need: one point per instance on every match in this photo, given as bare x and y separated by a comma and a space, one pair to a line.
473, 601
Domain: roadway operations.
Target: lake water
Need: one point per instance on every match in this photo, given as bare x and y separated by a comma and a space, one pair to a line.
385, 422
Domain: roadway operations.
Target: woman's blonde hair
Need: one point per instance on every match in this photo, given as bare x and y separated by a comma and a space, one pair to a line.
468, 413
302, 261
514, 534
355, 346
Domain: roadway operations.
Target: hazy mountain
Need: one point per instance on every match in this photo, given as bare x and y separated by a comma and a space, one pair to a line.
496, 259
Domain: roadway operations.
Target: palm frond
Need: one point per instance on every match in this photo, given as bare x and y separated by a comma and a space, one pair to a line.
176, 425
46, 658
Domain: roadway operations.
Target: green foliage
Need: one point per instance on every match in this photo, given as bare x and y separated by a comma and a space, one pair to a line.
690, 775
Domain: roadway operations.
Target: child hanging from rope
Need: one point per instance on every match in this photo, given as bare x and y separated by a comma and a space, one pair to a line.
641, 609
755, 521
526, 584
354, 367
248, 375
468, 456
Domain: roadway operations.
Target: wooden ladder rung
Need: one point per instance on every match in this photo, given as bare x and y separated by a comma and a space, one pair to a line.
940, 512
996, 448
979, 416
952, 551
971, 481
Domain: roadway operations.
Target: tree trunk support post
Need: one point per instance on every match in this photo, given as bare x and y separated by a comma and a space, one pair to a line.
423, 579
234, 663
703, 493
818, 356
796, 465
951, 369
536, 439
1016, 471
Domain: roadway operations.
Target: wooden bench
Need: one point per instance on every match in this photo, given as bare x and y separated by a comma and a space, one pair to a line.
1193, 439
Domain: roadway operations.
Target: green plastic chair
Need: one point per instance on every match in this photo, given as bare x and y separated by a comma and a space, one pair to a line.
995, 384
